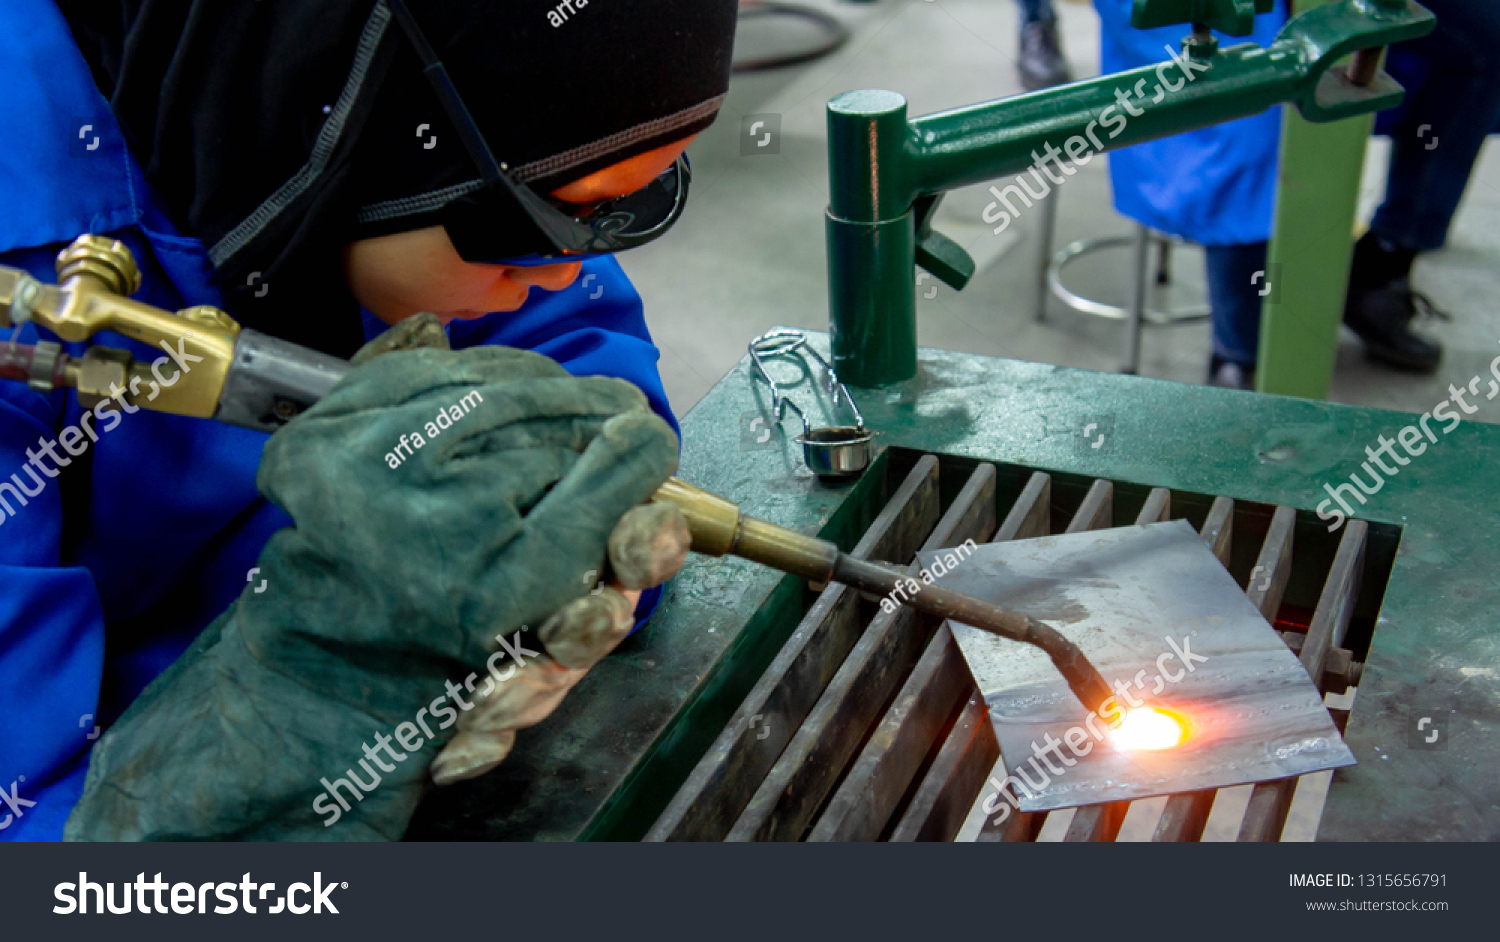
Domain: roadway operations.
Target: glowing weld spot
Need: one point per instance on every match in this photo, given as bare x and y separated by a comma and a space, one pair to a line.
1149, 728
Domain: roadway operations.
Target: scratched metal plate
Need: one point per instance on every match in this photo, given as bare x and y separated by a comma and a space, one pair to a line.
1120, 594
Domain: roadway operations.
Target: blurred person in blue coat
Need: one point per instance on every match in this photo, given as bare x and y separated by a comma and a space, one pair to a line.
1214, 186
1217, 186
290, 162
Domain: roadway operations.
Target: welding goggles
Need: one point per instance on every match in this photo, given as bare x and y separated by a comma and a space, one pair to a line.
506, 221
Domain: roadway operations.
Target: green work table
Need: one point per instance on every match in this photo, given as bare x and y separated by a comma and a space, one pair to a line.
610, 759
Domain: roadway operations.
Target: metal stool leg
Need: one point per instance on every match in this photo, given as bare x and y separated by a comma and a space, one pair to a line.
1135, 315
1044, 255
1082, 247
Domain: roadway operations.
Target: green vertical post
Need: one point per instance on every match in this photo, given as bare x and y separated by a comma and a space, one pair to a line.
871, 240
1312, 241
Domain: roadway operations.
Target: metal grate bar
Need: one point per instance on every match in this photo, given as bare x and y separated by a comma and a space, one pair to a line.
1340, 670
1330, 621
1218, 529
1022, 827
1276, 562
1270, 801
1030, 516
1158, 507
1096, 822
1185, 813
942, 802
880, 777
806, 772
718, 788
1265, 816
1097, 510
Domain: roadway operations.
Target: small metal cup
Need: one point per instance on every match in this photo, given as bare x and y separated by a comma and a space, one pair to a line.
838, 450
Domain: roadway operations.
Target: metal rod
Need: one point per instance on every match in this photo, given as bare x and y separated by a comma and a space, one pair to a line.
1083, 678
1044, 254
1365, 67
1137, 309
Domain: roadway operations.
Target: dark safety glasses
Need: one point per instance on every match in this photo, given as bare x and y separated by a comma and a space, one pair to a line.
505, 220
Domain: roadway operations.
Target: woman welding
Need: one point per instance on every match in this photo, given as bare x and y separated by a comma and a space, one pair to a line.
239, 615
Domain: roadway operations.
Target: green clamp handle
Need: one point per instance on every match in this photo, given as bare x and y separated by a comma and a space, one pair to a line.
1231, 17
937, 253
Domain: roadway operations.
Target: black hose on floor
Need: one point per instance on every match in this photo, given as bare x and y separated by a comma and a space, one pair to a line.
835, 34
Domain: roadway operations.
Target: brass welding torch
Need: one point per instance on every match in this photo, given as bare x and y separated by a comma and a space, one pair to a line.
241, 377
720, 529
249, 379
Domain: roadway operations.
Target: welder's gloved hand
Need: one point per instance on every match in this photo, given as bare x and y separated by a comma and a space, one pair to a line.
442, 501
646, 548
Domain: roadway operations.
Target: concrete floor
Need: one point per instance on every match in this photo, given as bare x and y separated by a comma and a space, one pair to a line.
749, 253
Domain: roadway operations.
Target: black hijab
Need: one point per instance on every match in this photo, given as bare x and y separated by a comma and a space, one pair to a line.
279, 130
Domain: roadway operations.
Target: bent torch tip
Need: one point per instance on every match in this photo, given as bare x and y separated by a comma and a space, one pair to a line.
1083, 678
1148, 728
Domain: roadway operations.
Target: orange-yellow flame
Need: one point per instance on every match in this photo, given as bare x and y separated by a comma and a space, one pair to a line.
1149, 728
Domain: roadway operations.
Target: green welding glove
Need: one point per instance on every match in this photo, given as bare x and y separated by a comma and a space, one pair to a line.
646, 548
451, 512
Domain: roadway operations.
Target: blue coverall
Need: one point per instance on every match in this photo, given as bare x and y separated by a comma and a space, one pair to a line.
1215, 186
109, 571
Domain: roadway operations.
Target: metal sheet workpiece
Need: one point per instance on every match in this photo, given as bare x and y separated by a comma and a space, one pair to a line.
1141, 601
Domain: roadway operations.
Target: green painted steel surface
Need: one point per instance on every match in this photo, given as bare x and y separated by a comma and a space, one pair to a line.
611, 758
880, 162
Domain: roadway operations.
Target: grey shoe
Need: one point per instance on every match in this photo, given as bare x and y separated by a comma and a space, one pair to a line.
1041, 63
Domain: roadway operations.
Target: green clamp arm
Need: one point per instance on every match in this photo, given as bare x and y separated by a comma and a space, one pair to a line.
1324, 35
885, 170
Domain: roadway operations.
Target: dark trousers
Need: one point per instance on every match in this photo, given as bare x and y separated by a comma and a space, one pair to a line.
1442, 128
1234, 293
1036, 11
